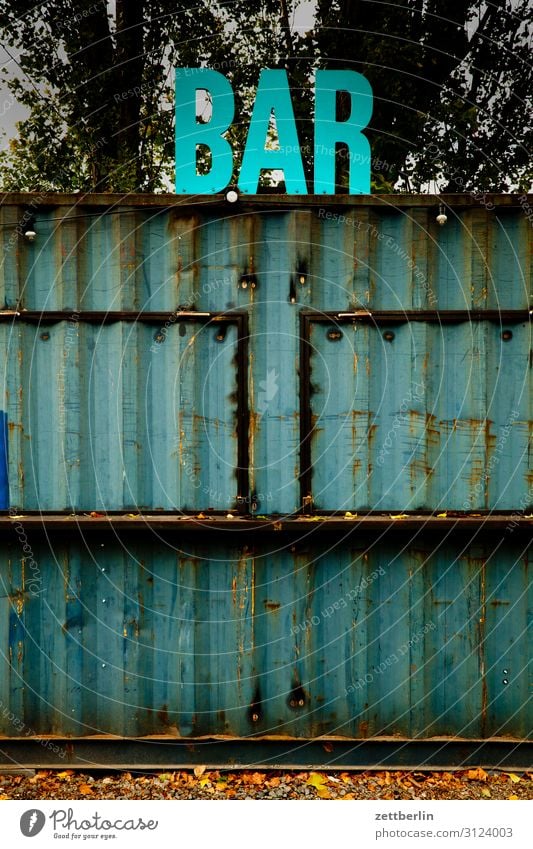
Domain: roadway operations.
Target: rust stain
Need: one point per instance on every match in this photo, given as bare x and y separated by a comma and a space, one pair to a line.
252, 588
162, 715
255, 711
234, 590
371, 434
252, 420
432, 431
17, 600
497, 603
415, 421
272, 605
297, 697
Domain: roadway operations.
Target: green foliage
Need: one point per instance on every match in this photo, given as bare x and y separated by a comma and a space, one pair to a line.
452, 84
452, 87
99, 90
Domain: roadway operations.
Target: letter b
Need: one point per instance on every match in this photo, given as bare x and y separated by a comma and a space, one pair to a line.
190, 133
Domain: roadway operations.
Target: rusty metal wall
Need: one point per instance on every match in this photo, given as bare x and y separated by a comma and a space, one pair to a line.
136, 637
317, 367
443, 396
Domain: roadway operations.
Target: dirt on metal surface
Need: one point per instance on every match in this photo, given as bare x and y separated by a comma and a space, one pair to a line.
217, 784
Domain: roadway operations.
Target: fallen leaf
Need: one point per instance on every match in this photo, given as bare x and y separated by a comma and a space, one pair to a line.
65, 774
204, 781
95, 515
274, 782
164, 776
512, 798
323, 793
316, 779
328, 747
514, 778
441, 515
199, 770
201, 516
400, 516
486, 792
85, 790
3, 797
477, 774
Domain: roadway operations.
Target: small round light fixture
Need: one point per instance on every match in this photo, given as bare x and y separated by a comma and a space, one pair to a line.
388, 336
507, 335
441, 217
29, 229
232, 196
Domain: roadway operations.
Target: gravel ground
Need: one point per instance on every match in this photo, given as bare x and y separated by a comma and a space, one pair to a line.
210, 784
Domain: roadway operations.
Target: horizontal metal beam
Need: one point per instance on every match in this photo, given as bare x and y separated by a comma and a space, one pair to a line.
434, 316
108, 202
178, 522
155, 753
109, 316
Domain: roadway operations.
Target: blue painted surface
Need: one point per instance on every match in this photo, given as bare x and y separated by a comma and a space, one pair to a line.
184, 640
437, 419
96, 414
198, 638
387, 259
110, 418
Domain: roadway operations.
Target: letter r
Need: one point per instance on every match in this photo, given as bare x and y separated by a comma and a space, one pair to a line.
329, 131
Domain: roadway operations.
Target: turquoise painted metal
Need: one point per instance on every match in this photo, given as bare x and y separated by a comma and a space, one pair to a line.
438, 418
282, 359
145, 638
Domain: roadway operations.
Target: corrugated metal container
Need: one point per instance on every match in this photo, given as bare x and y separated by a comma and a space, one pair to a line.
287, 362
